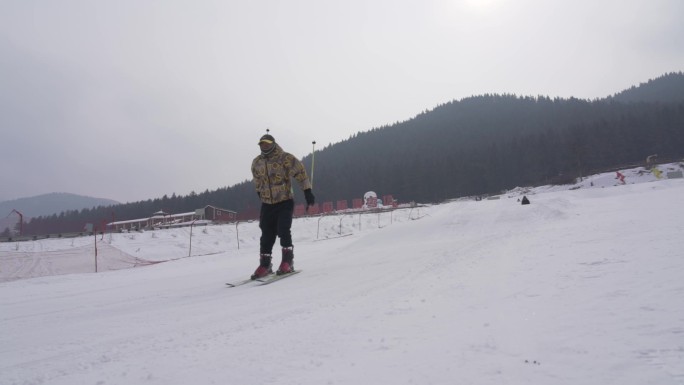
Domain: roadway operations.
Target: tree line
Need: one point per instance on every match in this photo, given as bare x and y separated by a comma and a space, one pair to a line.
478, 145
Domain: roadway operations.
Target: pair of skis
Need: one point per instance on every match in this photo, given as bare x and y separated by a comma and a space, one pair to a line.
263, 280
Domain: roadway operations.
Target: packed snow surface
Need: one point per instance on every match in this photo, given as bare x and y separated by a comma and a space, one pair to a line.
582, 286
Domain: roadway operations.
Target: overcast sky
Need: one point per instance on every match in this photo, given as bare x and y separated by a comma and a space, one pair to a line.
134, 99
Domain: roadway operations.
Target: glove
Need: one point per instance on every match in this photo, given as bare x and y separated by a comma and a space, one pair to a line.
310, 199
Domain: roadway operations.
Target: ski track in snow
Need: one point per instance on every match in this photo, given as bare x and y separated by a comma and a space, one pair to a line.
580, 287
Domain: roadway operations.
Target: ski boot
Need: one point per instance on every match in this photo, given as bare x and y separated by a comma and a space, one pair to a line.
265, 267
287, 263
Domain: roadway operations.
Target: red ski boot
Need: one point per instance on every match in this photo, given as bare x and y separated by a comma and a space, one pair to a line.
287, 263
265, 267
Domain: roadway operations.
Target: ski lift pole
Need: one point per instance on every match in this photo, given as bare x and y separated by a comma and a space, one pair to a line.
237, 233
313, 155
95, 236
191, 226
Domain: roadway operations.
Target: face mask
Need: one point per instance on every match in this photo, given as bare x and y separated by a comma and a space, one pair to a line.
265, 150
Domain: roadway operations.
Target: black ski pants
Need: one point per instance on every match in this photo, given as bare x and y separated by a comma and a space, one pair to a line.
275, 220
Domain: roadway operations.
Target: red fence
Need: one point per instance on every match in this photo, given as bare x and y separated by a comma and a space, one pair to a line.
388, 200
341, 205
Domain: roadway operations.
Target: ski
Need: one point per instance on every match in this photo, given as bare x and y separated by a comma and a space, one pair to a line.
246, 281
274, 277
239, 283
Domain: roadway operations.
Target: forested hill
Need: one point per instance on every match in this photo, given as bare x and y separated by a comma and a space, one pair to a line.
666, 89
487, 143
477, 145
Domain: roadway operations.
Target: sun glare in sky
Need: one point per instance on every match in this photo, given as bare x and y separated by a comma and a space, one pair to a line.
482, 5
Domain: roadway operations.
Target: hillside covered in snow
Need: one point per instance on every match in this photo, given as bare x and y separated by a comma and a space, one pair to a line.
582, 286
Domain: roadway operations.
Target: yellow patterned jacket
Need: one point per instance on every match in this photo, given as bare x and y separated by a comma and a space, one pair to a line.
273, 173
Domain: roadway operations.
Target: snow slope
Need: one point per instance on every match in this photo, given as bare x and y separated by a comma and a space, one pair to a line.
582, 286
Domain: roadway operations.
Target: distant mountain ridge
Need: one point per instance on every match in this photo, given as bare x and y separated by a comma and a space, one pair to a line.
46, 205
53, 203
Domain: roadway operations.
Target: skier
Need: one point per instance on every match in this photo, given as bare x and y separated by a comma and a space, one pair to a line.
273, 170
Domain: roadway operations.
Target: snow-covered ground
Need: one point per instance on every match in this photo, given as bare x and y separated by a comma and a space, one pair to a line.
582, 286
